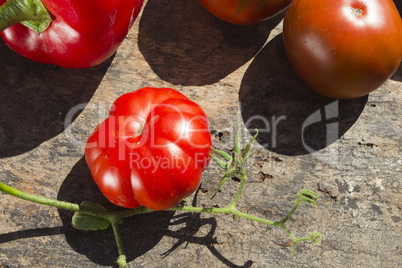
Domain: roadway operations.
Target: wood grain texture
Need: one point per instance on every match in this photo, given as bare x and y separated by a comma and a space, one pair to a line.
242, 79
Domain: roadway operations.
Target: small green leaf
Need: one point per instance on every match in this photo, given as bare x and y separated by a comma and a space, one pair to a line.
232, 162
248, 146
220, 163
82, 221
219, 185
249, 156
307, 196
236, 148
232, 172
315, 237
222, 154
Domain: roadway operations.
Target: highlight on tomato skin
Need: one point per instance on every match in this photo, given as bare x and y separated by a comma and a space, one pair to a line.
245, 12
151, 150
343, 49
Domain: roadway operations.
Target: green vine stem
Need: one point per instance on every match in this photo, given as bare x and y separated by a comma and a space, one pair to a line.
235, 165
115, 217
121, 261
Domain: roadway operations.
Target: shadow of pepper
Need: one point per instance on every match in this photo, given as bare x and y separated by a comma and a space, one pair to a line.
139, 234
35, 99
185, 45
291, 118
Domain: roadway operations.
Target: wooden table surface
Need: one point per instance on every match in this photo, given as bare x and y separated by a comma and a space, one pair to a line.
240, 76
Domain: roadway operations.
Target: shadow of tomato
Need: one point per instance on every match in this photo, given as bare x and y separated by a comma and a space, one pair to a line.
398, 74
398, 5
139, 233
35, 99
291, 118
185, 45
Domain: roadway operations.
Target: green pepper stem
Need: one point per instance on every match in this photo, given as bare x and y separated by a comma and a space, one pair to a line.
32, 13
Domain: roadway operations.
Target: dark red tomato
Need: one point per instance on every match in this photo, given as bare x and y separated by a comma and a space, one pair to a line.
151, 150
346, 48
245, 11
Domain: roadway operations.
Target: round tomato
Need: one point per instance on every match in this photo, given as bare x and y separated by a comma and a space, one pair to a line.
346, 48
151, 150
244, 11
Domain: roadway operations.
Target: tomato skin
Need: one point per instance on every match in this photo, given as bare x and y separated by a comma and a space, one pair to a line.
151, 150
340, 55
245, 12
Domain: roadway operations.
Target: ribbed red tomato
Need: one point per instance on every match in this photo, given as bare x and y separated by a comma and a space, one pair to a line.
151, 150
345, 48
245, 11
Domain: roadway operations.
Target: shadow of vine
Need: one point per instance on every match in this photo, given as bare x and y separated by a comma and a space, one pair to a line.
139, 233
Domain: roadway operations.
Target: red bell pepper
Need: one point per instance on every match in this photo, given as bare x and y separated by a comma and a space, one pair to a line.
68, 33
